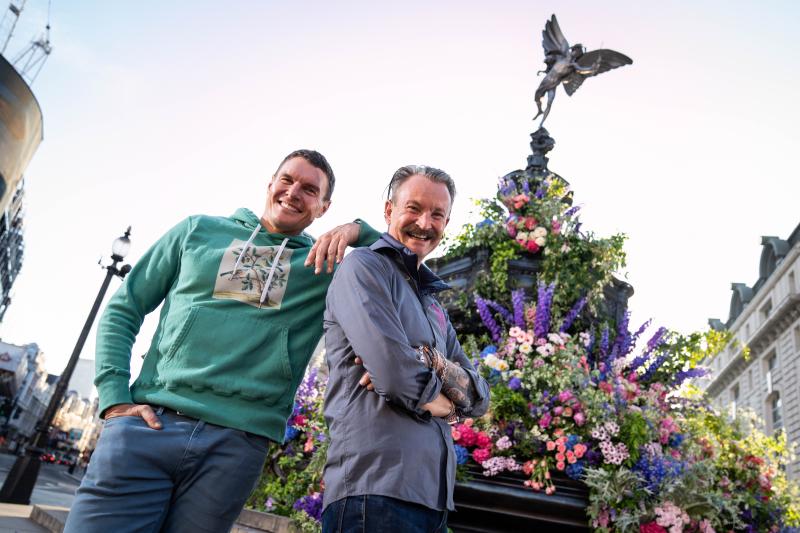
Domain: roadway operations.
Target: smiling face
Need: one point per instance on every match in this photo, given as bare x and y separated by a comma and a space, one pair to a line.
295, 197
418, 213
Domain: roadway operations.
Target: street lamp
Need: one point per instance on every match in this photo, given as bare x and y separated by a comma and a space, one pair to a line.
22, 478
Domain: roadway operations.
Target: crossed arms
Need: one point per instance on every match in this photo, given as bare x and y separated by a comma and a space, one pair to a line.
360, 301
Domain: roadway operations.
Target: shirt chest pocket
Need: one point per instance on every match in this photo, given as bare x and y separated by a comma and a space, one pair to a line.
422, 325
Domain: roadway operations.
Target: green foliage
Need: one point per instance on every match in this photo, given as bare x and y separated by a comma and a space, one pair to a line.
507, 404
634, 433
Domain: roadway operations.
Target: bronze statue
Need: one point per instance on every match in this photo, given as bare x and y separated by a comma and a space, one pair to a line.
570, 65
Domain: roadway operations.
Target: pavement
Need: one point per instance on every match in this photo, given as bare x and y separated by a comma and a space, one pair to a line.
52, 496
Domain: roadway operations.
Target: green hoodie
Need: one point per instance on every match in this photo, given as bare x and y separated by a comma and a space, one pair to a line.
225, 351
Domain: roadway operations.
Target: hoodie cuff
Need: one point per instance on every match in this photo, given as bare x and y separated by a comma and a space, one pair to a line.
113, 390
367, 235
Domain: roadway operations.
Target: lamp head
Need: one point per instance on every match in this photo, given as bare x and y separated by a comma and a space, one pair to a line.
121, 246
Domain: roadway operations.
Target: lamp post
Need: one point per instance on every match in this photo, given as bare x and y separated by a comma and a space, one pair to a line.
22, 478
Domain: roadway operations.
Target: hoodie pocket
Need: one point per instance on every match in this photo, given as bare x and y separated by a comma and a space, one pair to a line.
229, 355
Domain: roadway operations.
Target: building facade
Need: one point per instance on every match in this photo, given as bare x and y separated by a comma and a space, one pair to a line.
11, 246
30, 397
765, 319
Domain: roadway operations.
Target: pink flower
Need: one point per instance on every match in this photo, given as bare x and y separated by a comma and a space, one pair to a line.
480, 455
560, 465
551, 446
532, 247
530, 223
579, 418
557, 410
544, 422
483, 440
511, 229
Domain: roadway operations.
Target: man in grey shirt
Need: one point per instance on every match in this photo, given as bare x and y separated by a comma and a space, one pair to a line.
391, 464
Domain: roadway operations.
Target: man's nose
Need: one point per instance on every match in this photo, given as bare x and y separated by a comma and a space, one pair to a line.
425, 221
294, 190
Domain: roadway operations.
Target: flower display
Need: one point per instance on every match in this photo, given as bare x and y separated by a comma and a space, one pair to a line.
592, 406
533, 217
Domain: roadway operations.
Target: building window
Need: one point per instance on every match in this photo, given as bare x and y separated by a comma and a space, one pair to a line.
797, 339
777, 419
792, 283
771, 364
766, 310
734, 400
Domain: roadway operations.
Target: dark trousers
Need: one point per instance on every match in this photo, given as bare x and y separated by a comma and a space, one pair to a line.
381, 514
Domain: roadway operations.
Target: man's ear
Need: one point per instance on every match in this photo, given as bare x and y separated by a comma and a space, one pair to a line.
387, 212
325, 205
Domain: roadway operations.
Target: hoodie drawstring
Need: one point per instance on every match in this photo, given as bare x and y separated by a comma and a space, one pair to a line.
244, 250
272, 272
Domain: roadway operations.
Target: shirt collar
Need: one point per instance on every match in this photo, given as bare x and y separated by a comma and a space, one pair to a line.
428, 281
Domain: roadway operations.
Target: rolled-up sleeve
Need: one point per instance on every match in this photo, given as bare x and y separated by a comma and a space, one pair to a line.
360, 302
479, 389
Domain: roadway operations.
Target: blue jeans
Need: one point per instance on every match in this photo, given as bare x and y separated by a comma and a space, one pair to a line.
381, 514
189, 476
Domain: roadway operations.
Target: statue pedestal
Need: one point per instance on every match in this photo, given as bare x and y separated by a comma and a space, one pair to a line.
501, 504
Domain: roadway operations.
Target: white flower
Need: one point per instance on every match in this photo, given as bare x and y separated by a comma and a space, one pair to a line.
525, 348
539, 232
545, 350
540, 241
555, 338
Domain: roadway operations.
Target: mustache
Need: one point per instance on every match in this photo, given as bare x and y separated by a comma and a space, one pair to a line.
428, 233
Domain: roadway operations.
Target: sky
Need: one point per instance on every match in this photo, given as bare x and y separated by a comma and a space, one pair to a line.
154, 111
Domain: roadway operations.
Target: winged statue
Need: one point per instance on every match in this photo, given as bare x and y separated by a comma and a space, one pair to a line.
570, 65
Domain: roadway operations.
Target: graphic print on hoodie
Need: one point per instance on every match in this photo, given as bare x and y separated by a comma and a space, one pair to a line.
242, 275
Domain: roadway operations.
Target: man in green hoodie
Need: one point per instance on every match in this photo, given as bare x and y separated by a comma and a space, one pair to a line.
183, 447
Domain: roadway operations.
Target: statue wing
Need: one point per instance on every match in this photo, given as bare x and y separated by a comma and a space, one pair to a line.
553, 40
605, 60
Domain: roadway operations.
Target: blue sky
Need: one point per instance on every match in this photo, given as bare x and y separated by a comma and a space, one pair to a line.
157, 110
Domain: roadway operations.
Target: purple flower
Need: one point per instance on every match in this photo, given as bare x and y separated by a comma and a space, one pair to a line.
604, 343
502, 311
514, 383
655, 341
518, 303
539, 193
544, 301
692, 373
311, 505
571, 211
573, 314
654, 366
487, 319
526, 187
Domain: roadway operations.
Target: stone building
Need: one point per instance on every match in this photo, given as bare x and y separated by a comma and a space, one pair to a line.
765, 318
31, 396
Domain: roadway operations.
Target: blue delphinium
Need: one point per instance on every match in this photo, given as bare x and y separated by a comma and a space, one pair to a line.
462, 454
655, 469
575, 470
291, 433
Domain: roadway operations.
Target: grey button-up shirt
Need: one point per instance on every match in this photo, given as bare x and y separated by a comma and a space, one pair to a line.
381, 307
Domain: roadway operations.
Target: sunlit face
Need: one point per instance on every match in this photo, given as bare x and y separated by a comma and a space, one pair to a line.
418, 214
295, 197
